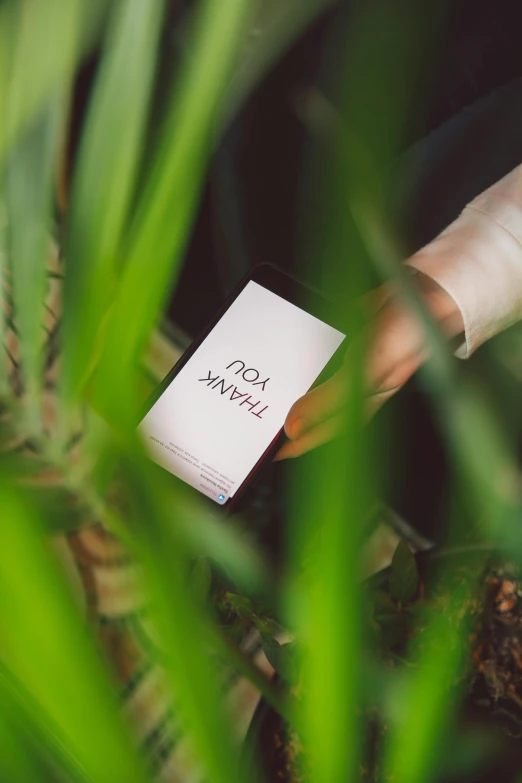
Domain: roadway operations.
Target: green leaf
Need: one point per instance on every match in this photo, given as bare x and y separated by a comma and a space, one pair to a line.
392, 631
180, 620
46, 650
264, 626
105, 178
4, 372
201, 577
277, 24
167, 202
236, 632
30, 178
232, 550
41, 45
241, 605
382, 603
424, 703
32, 66
404, 574
281, 657
15, 763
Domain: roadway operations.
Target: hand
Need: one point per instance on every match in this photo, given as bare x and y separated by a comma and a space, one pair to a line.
396, 350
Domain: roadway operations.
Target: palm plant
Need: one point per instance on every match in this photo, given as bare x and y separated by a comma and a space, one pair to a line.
121, 241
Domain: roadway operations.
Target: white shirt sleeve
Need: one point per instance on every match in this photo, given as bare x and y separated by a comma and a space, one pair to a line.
478, 261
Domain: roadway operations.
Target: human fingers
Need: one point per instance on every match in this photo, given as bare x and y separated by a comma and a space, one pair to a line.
316, 436
317, 405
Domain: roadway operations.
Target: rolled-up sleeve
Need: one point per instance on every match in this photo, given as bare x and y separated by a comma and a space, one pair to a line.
478, 261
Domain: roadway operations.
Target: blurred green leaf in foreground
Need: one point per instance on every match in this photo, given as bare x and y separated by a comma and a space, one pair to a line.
120, 239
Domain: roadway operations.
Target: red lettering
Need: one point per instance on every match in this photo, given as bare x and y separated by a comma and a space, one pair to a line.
237, 361
209, 379
237, 394
251, 404
253, 379
260, 383
222, 384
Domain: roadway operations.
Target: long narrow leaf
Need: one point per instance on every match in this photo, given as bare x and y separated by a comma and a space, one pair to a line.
15, 764
30, 178
4, 382
47, 649
275, 27
169, 199
191, 672
34, 65
105, 178
42, 43
425, 696
326, 602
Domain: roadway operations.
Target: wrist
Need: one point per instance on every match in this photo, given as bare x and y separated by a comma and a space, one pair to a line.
441, 305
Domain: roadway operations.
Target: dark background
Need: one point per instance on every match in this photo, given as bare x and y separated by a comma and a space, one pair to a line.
252, 211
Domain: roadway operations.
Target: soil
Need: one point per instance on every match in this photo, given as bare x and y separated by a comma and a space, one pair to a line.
493, 698
497, 686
